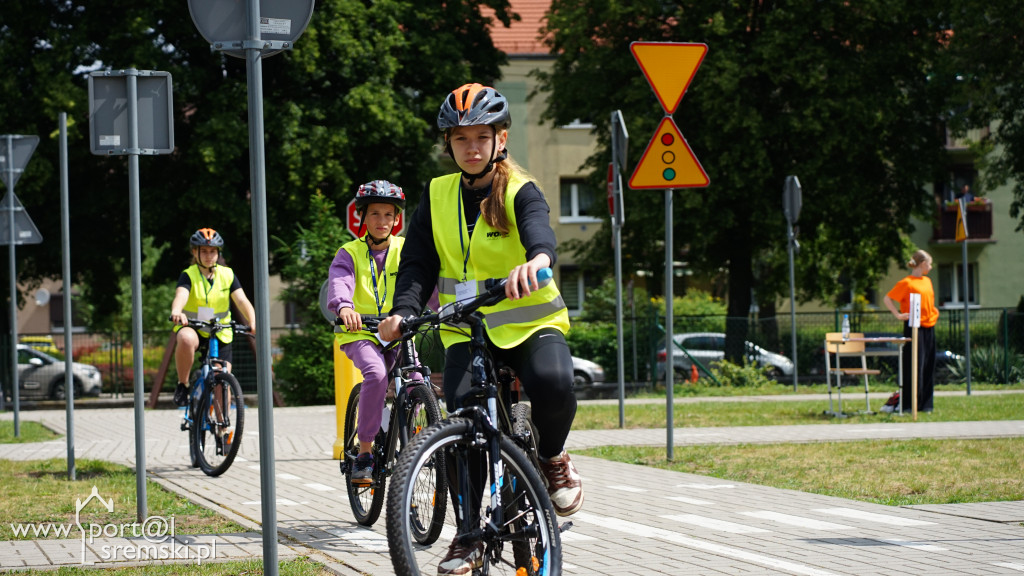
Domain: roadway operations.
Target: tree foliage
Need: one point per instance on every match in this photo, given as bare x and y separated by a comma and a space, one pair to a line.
835, 93
354, 100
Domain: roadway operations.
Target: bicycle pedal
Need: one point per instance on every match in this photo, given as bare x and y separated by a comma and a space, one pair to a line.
185, 427
565, 527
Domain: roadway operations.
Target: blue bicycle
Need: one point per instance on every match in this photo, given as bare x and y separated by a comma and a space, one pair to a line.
215, 414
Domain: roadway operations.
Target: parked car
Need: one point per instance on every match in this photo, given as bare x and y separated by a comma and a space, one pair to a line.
42, 376
588, 378
709, 347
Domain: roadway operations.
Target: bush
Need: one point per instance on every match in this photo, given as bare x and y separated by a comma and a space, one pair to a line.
990, 364
746, 376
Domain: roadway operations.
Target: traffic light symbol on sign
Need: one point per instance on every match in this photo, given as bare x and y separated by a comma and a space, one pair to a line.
668, 162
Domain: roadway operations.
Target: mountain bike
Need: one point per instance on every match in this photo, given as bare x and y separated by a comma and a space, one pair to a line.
215, 414
513, 516
410, 406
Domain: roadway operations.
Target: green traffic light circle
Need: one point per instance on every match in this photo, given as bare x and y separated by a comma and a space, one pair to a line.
669, 174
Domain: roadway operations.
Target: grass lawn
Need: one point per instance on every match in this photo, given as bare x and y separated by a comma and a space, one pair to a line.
29, 432
38, 492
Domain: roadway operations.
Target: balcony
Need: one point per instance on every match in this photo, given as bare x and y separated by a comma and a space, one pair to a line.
979, 222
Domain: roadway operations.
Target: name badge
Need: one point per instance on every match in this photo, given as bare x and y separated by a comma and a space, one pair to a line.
465, 291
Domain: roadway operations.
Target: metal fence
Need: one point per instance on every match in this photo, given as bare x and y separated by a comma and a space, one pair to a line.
997, 329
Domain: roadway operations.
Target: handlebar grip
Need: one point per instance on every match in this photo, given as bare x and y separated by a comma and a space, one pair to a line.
544, 274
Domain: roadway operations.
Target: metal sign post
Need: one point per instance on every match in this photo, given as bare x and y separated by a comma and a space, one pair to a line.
130, 114
915, 323
620, 141
792, 198
668, 163
65, 244
15, 151
220, 22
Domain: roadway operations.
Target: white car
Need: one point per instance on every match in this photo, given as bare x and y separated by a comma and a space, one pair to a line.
709, 347
41, 376
587, 377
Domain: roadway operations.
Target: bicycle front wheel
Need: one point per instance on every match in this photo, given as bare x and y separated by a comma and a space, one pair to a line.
366, 500
526, 542
426, 510
217, 425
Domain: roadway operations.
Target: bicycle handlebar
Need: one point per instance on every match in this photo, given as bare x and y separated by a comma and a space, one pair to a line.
212, 326
456, 312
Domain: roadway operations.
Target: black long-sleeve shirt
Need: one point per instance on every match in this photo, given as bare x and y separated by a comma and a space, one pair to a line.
420, 265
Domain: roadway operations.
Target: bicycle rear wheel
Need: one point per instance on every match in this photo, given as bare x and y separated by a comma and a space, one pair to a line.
366, 501
533, 528
217, 426
426, 511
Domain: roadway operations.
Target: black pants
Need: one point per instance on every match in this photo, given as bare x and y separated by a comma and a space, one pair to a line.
543, 364
925, 369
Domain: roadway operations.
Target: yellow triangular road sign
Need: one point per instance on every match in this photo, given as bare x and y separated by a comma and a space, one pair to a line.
668, 162
669, 68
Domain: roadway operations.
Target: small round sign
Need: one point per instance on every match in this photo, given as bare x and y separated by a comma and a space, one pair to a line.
223, 22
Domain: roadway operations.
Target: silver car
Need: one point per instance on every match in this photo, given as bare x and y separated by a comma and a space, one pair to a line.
709, 347
42, 376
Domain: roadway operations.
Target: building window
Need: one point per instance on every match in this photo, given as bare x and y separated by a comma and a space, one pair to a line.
571, 286
951, 284
579, 201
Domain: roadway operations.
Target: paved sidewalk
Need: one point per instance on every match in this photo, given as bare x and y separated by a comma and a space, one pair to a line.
636, 520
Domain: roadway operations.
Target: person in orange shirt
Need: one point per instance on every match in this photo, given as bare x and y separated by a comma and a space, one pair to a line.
917, 283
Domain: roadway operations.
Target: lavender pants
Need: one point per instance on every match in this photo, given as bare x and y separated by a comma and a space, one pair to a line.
375, 365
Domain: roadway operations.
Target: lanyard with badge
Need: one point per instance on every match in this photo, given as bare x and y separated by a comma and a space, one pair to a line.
464, 290
206, 313
373, 276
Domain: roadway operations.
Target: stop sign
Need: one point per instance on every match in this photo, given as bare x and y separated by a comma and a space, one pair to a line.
352, 221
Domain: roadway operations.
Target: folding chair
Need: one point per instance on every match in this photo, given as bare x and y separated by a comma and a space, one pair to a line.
836, 346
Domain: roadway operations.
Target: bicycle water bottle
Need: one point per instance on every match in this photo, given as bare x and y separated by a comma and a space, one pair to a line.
846, 326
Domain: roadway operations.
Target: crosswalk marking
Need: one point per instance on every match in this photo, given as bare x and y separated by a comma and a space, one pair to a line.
872, 517
705, 486
713, 524
364, 538
319, 487
286, 476
694, 501
1010, 565
634, 528
915, 545
627, 488
796, 520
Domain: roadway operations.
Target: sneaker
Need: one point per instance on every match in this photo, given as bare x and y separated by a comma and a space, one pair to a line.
181, 395
362, 470
564, 484
461, 559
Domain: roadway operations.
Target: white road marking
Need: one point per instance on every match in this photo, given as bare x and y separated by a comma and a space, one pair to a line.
713, 524
675, 538
796, 520
872, 517
1010, 565
915, 545
320, 487
364, 538
280, 502
285, 476
627, 488
705, 486
693, 501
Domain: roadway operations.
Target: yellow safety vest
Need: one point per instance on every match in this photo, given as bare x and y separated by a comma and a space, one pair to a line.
491, 254
364, 300
217, 296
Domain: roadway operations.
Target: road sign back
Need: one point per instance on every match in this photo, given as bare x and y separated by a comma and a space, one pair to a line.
15, 152
669, 68
25, 231
668, 162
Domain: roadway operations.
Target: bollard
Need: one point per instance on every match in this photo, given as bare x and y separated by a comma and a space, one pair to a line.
346, 375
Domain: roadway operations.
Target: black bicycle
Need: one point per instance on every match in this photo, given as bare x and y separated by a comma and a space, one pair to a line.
410, 406
215, 414
513, 517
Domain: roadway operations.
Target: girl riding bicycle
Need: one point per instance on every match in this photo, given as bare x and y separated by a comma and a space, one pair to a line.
361, 280
205, 291
491, 220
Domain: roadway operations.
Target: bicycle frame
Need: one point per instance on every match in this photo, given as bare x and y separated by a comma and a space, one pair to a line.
209, 363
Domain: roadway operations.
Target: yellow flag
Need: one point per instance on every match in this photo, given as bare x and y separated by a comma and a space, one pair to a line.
961, 222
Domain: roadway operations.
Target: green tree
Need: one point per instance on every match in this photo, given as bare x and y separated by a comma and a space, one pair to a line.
835, 93
355, 99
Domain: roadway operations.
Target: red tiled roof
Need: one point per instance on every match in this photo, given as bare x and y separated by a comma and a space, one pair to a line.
523, 37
